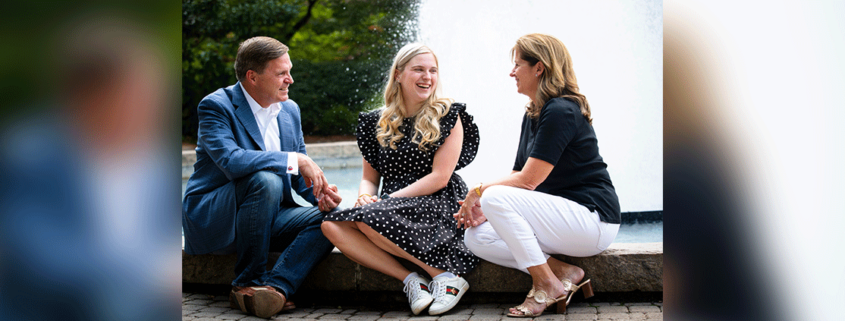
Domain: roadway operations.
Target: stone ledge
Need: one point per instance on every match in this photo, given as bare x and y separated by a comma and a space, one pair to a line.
327, 155
189, 157
625, 267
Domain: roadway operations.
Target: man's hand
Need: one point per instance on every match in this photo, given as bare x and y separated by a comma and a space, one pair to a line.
312, 174
330, 199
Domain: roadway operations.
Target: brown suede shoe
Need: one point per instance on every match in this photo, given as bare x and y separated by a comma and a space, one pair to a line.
261, 301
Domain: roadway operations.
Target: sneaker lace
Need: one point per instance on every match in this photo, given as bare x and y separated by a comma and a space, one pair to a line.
412, 288
438, 290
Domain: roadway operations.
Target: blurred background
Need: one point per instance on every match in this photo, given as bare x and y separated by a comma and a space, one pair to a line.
340, 51
91, 116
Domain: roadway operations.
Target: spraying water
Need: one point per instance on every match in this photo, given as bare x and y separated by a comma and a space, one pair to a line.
617, 52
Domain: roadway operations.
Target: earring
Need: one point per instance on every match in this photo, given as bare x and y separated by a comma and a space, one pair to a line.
536, 75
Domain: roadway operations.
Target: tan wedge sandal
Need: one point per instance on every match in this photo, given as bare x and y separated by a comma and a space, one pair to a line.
541, 297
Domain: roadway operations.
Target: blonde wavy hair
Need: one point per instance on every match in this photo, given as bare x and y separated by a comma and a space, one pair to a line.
558, 78
427, 125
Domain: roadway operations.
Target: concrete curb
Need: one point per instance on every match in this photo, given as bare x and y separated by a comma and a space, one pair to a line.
624, 267
327, 155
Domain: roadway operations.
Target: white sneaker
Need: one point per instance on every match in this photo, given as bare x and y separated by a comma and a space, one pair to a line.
447, 292
418, 294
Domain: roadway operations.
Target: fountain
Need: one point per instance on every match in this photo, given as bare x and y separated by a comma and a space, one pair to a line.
616, 47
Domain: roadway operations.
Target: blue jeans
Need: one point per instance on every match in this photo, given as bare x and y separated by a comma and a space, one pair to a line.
263, 224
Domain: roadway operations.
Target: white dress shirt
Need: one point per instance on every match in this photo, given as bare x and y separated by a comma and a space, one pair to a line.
269, 128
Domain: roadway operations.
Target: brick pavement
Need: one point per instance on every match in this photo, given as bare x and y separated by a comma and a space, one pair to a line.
204, 307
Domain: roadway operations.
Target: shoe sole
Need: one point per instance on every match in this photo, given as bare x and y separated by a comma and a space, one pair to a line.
457, 299
263, 304
422, 307
235, 302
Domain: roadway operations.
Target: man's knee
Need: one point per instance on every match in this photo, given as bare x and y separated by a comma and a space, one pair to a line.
263, 182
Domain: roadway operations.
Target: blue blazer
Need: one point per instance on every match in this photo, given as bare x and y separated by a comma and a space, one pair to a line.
229, 147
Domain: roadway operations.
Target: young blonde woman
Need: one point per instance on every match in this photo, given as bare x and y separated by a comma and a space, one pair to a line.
559, 198
412, 146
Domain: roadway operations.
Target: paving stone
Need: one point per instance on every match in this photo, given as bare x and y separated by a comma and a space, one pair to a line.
206, 314
233, 311
454, 317
612, 309
358, 317
579, 304
398, 314
215, 310
295, 314
191, 307
489, 311
220, 304
368, 313
581, 309
613, 316
228, 316
205, 307
200, 296
486, 318
581, 316
335, 316
198, 302
644, 309
460, 310
484, 306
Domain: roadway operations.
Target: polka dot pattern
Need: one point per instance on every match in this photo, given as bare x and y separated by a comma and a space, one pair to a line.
423, 226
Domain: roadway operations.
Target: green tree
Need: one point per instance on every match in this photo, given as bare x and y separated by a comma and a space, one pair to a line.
340, 50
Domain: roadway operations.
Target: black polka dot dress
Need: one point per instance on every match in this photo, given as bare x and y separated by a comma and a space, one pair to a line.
423, 226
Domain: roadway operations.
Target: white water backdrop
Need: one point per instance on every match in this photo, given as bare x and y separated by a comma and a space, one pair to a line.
617, 52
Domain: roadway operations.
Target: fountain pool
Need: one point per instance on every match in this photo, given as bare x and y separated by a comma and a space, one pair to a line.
347, 180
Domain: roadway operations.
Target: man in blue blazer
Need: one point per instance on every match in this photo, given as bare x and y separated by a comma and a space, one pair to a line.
250, 155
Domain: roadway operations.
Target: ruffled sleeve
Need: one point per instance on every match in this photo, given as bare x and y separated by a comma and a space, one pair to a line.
471, 137
366, 136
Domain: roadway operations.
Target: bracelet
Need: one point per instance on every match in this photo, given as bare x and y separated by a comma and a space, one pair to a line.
385, 196
365, 194
478, 188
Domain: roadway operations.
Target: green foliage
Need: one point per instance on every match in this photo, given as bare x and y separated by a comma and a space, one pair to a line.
340, 50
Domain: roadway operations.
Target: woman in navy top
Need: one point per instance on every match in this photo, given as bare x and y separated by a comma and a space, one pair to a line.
559, 198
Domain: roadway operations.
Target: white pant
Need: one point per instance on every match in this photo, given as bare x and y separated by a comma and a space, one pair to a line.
523, 227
